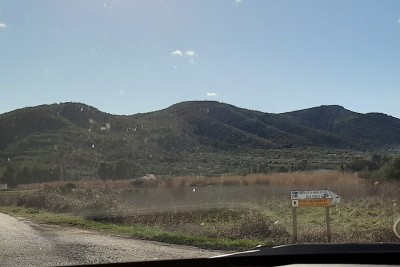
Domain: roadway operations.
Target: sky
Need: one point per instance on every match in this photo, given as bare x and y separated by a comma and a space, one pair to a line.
135, 56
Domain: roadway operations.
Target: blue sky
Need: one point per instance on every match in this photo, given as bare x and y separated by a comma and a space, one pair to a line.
131, 56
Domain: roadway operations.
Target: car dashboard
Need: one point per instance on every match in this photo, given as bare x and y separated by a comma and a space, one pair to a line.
374, 254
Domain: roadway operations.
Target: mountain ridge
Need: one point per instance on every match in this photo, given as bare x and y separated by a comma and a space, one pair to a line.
78, 137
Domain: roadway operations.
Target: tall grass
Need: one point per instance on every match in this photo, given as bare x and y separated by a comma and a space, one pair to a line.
315, 178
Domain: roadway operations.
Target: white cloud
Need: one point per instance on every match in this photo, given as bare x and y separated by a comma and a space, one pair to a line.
211, 94
176, 53
190, 53
2, 25
238, 1
398, 21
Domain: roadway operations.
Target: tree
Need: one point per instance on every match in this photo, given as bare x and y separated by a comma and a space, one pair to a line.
103, 170
56, 172
391, 170
376, 158
122, 169
23, 176
9, 176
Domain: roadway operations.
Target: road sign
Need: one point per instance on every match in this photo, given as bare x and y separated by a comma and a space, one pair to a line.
313, 198
316, 198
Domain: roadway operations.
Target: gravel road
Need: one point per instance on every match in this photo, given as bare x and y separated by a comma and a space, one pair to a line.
23, 243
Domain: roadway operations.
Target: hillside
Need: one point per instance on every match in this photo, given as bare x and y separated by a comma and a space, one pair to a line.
74, 140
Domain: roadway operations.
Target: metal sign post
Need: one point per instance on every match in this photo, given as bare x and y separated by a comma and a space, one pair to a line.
313, 198
328, 225
294, 212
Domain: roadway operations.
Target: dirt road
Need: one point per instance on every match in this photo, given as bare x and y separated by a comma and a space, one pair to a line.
23, 243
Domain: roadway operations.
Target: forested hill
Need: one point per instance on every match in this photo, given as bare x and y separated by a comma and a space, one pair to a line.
74, 140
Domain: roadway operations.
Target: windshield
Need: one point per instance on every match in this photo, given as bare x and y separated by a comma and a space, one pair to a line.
149, 129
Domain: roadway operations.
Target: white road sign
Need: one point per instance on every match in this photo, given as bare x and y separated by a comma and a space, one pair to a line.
313, 198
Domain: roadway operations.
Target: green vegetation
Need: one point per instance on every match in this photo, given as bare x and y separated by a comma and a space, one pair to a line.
377, 168
73, 141
391, 170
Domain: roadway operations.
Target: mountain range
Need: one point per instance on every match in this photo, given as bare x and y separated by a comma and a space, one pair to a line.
190, 138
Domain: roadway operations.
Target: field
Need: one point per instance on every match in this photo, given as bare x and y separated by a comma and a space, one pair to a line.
254, 209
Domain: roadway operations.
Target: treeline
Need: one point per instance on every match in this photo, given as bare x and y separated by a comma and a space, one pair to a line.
377, 167
14, 175
374, 163
122, 169
266, 167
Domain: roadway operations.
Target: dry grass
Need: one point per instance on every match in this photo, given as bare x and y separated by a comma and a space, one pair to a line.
293, 179
224, 206
288, 179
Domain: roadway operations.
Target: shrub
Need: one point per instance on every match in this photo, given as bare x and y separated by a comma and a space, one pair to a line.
391, 170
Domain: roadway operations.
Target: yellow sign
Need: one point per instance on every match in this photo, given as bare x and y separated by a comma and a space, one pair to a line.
322, 202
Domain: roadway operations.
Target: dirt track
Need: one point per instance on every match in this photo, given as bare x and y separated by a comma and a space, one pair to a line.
23, 243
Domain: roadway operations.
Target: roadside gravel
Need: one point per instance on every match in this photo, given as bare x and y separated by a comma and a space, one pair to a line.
24, 243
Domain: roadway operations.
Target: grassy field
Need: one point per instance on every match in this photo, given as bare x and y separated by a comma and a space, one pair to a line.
223, 212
